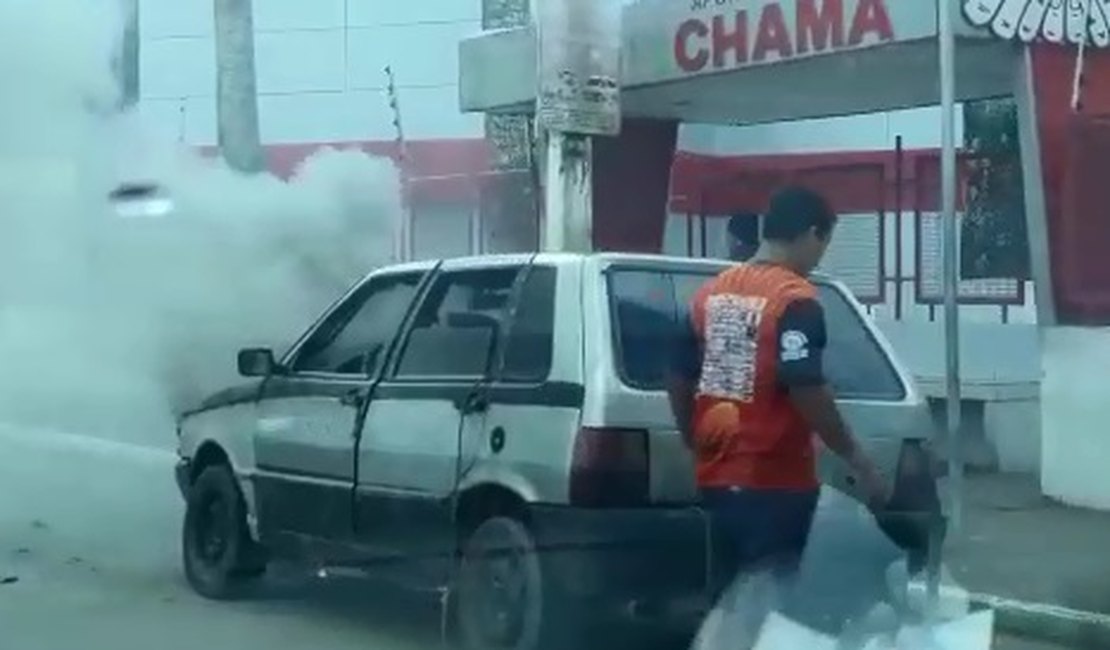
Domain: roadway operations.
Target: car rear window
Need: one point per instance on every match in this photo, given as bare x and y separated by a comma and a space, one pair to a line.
649, 306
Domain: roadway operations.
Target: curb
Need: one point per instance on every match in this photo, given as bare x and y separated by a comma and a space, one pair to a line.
1053, 623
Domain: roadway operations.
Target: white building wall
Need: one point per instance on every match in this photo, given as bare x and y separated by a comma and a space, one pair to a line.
321, 78
919, 128
320, 68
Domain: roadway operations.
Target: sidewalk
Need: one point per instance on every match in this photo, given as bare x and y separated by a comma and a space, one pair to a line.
1033, 558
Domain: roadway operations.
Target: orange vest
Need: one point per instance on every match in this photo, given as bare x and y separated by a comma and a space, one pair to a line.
747, 432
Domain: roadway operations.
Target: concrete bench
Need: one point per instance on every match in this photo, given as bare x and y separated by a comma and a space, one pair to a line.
1000, 388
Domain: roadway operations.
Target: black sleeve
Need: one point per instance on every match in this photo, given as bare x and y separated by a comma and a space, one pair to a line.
685, 351
801, 344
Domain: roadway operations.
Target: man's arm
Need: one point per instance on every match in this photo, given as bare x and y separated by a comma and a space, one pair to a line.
801, 347
682, 379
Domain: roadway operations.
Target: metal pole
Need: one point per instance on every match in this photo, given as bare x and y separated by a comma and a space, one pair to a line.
1080, 59
899, 162
946, 48
403, 246
1029, 144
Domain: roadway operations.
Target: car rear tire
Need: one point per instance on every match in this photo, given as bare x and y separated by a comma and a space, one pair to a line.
506, 597
218, 553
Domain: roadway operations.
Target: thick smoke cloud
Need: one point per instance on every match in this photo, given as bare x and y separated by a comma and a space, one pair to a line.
110, 325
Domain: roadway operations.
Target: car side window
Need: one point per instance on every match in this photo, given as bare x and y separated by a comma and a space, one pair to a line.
855, 365
355, 338
648, 305
531, 336
645, 317
458, 324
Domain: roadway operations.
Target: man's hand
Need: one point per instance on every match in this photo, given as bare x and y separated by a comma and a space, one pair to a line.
817, 406
876, 489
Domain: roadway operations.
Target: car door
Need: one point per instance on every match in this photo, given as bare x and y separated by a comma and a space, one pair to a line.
429, 407
535, 393
308, 413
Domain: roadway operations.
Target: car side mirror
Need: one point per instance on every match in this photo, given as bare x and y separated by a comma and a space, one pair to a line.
141, 199
257, 362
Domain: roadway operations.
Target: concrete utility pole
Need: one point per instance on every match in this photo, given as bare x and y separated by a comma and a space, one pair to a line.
578, 97
236, 95
568, 193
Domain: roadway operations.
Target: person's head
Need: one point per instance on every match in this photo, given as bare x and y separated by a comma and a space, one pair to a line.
743, 236
799, 226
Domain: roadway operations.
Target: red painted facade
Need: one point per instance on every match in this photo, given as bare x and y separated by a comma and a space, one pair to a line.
1075, 153
453, 170
640, 178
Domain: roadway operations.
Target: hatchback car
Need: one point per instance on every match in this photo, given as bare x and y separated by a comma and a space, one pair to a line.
496, 428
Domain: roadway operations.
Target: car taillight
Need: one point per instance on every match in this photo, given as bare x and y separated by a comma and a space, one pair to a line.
610, 468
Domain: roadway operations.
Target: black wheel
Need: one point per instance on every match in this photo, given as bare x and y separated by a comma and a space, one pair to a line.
505, 597
218, 553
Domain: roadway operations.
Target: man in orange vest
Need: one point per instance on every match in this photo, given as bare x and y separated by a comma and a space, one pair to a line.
748, 390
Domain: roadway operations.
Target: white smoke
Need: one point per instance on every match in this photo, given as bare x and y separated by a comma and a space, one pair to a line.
110, 325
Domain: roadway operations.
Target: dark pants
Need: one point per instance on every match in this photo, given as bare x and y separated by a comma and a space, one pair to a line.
760, 529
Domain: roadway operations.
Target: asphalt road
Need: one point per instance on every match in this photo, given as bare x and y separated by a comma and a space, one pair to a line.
89, 558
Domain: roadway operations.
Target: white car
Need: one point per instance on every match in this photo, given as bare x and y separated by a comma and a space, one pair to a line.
497, 427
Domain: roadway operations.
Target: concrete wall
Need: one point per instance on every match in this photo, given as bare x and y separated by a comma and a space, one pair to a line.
919, 128
1076, 413
1001, 387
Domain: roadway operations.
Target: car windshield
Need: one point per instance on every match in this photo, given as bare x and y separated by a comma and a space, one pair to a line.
648, 306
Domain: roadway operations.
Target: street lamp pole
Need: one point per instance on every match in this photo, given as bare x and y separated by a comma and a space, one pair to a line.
947, 51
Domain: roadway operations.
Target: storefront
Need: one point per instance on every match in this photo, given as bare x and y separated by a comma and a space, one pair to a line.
756, 61
737, 62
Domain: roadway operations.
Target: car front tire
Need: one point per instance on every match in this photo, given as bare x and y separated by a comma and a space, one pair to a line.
218, 553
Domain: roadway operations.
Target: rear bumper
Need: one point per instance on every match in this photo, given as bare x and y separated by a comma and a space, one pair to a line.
643, 553
659, 555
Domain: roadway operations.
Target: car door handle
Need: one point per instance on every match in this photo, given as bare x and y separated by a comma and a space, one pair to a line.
351, 398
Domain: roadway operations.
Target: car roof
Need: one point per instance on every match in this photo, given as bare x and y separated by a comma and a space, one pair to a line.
645, 259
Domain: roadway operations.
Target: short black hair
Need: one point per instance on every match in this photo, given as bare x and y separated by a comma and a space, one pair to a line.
744, 226
794, 210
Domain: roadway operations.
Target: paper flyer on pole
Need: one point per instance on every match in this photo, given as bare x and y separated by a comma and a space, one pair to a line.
579, 64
